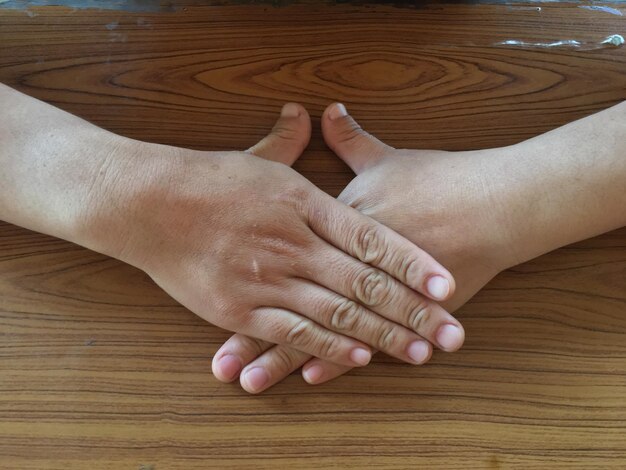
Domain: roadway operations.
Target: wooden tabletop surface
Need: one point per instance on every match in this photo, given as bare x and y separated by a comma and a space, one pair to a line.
100, 369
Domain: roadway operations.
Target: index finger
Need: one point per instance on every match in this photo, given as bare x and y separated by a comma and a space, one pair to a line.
379, 246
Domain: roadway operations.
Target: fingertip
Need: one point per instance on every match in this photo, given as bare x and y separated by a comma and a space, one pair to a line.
317, 371
254, 380
420, 351
290, 110
438, 287
226, 367
343, 134
427, 276
293, 110
450, 337
336, 111
312, 374
294, 116
452, 281
288, 138
360, 356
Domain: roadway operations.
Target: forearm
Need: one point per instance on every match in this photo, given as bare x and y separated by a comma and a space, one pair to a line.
566, 185
58, 173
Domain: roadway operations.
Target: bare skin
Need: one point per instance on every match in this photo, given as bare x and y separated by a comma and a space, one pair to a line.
244, 242
478, 212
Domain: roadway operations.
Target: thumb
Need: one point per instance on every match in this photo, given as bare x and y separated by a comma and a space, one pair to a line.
288, 138
349, 141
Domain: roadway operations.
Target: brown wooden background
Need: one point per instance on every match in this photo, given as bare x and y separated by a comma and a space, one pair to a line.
99, 369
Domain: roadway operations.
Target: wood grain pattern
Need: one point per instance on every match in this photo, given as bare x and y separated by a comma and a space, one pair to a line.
99, 369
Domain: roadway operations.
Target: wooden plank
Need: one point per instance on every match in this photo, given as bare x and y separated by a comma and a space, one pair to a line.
100, 369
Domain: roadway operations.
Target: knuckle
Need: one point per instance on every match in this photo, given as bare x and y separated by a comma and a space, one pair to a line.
294, 198
345, 314
284, 132
253, 345
282, 359
350, 133
223, 314
369, 245
330, 346
292, 245
274, 245
386, 338
373, 287
419, 316
408, 267
294, 193
298, 334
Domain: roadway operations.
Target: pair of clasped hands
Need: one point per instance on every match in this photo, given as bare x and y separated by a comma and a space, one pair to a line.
306, 280
319, 283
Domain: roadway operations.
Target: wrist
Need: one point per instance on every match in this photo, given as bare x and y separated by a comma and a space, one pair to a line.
497, 211
562, 186
128, 171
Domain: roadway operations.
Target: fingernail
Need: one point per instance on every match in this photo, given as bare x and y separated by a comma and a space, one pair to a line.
438, 287
229, 366
419, 351
450, 337
256, 378
360, 356
290, 110
337, 111
312, 374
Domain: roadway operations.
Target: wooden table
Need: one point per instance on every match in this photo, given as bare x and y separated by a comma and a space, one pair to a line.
99, 369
